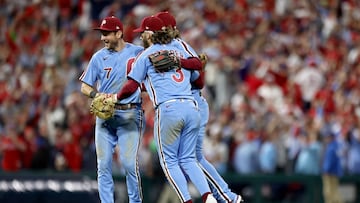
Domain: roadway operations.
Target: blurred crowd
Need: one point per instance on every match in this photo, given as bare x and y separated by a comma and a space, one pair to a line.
282, 77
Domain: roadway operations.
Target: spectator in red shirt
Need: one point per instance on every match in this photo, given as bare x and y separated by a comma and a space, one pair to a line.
11, 147
72, 152
29, 140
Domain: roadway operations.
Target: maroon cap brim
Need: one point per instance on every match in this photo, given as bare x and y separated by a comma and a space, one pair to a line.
138, 30
104, 29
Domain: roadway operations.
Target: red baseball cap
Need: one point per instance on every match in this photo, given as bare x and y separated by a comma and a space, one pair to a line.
167, 18
150, 23
111, 24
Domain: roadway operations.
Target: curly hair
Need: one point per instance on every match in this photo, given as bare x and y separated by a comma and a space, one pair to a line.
174, 32
162, 37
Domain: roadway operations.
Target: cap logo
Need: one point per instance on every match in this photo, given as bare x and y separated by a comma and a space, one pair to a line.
117, 27
103, 23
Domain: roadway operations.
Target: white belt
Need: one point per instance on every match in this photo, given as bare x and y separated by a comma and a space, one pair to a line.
174, 100
179, 99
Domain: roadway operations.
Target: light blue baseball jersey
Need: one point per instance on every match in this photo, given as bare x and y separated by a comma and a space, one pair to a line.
181, 44
107, 70
109, 73
165, 86
177, 119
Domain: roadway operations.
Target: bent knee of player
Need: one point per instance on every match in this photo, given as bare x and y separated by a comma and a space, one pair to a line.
104, 168
184, 161
129, 164
200, 157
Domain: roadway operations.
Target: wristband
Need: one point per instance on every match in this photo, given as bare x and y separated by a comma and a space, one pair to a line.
92, 94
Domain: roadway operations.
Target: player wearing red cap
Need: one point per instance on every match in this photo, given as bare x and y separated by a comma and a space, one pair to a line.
107, 72
218, 186
177, 119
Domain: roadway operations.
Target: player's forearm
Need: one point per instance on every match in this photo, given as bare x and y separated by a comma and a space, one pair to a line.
192, 63
88, 90
128, 89
200, 82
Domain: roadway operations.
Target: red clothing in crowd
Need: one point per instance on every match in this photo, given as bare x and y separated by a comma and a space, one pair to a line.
11, 149
73, 156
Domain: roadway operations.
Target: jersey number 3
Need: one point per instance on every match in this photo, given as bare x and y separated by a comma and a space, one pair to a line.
178, 76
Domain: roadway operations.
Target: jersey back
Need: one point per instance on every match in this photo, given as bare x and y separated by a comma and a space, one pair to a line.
164, 86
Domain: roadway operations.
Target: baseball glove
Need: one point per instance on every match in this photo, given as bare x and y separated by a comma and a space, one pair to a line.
164, 61
103, 105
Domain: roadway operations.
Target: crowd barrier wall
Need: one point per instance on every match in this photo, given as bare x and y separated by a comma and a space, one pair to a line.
51, 187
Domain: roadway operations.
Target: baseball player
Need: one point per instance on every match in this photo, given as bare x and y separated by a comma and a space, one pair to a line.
177, 118
218, 186
106, 73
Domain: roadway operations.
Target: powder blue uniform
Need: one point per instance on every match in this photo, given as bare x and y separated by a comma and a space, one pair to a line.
219, 187
176, 122
108, 71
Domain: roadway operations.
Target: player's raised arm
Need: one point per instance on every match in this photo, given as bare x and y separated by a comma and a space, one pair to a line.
164, 61
128, 89
195, 63
192, 63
